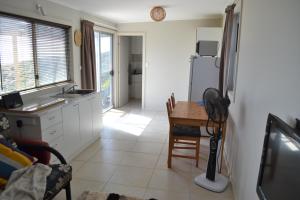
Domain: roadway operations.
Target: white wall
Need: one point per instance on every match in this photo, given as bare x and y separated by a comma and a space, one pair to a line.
267, 82
169, 46
55, 13
124, 62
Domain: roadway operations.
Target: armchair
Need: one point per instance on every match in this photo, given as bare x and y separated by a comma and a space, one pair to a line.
61, 174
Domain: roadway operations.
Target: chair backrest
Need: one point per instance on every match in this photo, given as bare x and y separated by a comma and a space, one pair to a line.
172, 100
169, 109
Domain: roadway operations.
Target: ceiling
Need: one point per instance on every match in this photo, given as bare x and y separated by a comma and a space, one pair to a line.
124, 11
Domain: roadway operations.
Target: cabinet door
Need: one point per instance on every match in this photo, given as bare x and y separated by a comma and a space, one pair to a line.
97, 115
86, 123
71, 128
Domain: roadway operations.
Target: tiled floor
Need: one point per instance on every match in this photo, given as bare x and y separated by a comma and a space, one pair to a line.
131, 158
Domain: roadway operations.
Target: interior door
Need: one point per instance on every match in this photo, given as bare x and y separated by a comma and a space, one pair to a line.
104, 67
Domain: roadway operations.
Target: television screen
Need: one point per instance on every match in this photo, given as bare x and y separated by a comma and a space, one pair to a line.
279, 175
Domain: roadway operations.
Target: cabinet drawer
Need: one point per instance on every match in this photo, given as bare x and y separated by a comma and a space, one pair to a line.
50, 118
52, 132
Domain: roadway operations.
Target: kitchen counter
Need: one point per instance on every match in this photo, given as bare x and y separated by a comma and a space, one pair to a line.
45, 103
35, 107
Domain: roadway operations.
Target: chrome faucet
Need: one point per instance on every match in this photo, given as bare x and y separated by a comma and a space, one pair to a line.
72, 88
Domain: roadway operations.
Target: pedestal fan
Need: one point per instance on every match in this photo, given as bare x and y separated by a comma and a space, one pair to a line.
216, 107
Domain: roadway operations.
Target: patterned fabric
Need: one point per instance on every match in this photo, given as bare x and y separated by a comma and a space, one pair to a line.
28, 183
4, 123
186, 131
60, 176
11, 159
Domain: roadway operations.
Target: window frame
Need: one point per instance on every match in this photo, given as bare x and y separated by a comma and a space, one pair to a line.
233, 62
33, 22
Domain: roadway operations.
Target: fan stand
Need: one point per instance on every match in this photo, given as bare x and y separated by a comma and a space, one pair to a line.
219, 185
211, 180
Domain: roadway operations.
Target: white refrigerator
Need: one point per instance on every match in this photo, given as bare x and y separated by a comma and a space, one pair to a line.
204, 73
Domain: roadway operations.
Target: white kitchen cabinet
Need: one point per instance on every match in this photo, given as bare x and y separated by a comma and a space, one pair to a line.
97, 115
70, 115
86, 122
69, 127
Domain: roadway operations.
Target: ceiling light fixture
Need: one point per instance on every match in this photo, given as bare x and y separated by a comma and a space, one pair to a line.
158, 13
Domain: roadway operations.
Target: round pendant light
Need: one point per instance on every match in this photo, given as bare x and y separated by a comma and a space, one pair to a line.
158, 13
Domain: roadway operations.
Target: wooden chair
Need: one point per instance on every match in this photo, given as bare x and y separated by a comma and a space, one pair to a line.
179, 134
173, 100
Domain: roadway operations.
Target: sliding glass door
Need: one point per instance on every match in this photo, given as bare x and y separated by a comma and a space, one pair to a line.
104, 67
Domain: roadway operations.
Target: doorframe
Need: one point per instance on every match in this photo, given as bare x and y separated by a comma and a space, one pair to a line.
143, 35
115, 62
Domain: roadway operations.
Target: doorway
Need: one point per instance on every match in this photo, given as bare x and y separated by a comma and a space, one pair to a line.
104, 66
131, 69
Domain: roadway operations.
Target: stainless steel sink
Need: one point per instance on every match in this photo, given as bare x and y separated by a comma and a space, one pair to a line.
80, 91
75, 93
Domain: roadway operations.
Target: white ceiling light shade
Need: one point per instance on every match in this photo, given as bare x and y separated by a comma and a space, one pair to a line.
158, 13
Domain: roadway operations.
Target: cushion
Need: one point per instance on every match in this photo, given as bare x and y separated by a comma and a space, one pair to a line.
11, 159
60, 176
189, 131
42, 156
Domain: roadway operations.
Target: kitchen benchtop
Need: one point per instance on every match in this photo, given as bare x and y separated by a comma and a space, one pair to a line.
43, 104
35, 107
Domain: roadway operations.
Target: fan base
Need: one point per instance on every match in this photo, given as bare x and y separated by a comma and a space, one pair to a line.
219, 185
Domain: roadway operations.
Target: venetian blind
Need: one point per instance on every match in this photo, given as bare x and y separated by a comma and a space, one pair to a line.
33, 53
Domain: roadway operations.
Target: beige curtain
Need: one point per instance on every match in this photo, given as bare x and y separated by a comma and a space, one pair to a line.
88, 61
226, 44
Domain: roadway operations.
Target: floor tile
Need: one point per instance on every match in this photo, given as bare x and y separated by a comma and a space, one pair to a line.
178, 164
152, 137
87, 153
107, 156
147, 147
139, 160
76, 165
118, 135
156, 128
131, 176
170, 180
117, 144
125, 190
79, 185
95, 172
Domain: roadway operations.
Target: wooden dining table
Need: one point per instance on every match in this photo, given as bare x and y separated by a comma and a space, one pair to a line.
193, 114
